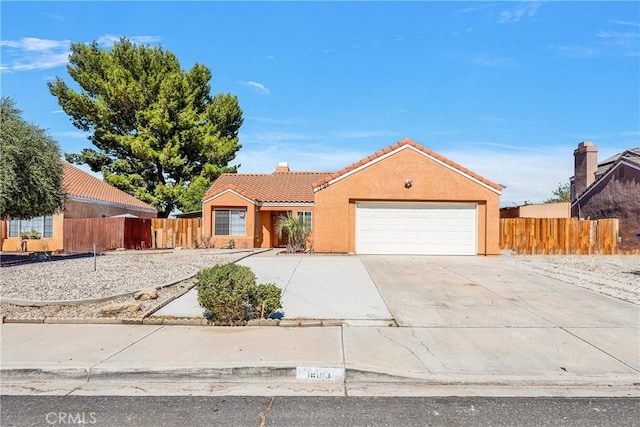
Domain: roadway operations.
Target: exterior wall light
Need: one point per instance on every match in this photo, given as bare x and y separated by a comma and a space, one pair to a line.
408, 183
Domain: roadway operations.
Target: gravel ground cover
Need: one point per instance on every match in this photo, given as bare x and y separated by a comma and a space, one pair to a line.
614, 275
127, 272
116, 273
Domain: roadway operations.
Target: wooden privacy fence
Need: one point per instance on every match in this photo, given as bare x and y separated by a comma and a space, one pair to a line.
176, 232
533, 236
80, 234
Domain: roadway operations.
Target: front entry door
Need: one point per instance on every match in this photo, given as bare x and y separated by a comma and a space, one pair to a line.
278, 242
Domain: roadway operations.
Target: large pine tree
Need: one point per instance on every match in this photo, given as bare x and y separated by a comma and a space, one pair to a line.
158, 132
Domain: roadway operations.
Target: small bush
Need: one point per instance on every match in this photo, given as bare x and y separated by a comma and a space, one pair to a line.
268, 294
226, 290
229, 293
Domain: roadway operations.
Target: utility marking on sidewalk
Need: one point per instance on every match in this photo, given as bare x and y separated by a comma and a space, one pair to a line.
320, 374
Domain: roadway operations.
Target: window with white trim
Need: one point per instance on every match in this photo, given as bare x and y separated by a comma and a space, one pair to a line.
306, 219
42, 225
230, 222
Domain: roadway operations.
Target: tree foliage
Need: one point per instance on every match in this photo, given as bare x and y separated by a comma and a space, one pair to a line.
30, 168
561, 194
158, 133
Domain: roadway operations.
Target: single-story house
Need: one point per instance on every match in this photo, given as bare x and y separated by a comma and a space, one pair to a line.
538, 210
404, 199
86, 197
609, 189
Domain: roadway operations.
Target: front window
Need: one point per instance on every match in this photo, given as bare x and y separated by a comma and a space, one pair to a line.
41, 226
230, 222
305, 217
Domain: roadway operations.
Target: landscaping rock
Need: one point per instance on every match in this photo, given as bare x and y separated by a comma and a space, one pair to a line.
146, 294
121, 307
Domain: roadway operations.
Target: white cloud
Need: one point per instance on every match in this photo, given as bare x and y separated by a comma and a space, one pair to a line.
607, 44
574, 51
617, 35
33, 53
632, 24
474, 8
529, 175
109, 39
300, 157
258, 87
516, 14
32, 44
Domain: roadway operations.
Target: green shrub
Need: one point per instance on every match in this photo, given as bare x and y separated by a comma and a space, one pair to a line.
268, 294
226, 291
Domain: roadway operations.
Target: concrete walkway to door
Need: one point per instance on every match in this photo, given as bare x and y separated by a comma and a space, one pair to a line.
321, 286
318, 287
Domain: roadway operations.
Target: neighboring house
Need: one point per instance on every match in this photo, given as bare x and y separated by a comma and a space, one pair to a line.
86, 197
403, 199
539, 210
609, 189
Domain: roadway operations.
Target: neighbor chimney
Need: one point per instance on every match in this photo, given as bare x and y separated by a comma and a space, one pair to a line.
282, 167
585, 166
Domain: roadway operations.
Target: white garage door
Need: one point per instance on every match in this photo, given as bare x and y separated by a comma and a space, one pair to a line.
416, 228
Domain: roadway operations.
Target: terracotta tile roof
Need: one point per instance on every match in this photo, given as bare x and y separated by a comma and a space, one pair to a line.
277, 187
79, 183
400, 144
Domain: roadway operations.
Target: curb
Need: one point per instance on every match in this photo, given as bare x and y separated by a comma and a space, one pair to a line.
248, 374
187, 321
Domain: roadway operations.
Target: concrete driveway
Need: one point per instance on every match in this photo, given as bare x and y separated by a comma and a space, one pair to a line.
487, 305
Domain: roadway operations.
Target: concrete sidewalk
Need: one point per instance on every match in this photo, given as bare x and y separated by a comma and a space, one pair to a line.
340, 360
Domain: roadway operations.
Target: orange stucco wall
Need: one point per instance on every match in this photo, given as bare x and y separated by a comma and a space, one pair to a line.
55, 243
260, 220
334, 218
229, 201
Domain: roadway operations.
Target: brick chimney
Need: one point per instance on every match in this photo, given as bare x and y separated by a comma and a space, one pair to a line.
585, 166
282, 167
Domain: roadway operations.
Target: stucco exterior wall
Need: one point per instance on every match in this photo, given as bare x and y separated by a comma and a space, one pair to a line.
259, 225
615, 196
54, 243
81, 209
230, 201
384, 180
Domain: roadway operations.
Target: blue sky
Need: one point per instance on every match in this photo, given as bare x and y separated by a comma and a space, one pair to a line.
507, 89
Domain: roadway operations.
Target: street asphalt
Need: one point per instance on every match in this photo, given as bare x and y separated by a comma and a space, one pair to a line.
408, 326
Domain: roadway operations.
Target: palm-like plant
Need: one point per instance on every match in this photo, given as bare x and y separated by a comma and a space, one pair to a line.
297, 233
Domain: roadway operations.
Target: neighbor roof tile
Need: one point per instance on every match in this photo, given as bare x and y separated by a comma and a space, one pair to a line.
79, 183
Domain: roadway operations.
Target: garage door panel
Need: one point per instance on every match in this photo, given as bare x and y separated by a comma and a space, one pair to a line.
416, 228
